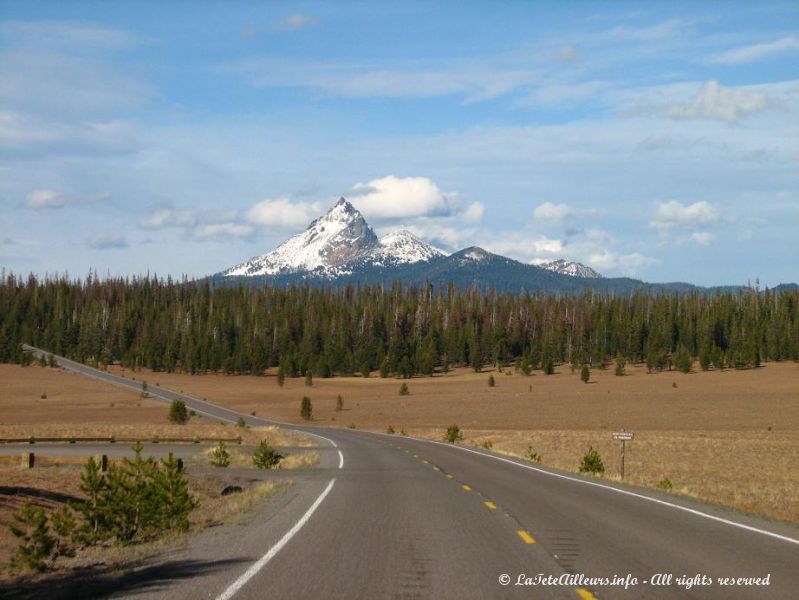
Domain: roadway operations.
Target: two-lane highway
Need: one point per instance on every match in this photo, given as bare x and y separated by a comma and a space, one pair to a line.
396, 517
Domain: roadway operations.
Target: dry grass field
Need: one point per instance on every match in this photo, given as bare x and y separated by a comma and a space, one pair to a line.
730, 437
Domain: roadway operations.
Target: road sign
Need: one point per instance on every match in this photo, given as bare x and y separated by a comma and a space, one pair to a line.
623, 437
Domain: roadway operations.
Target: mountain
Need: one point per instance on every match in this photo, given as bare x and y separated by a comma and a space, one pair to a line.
573, 269
340, 248
402, 247
329, 244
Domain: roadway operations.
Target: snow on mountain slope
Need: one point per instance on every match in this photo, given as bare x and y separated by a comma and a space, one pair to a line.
326, 247
573, 269
402, 247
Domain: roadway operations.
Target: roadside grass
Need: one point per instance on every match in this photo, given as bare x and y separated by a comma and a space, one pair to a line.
753, 471
241, 457
51, 487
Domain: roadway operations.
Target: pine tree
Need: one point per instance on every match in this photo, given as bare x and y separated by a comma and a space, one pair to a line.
306, 408
585, 374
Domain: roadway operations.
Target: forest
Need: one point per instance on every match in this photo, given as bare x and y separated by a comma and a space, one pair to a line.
196, 327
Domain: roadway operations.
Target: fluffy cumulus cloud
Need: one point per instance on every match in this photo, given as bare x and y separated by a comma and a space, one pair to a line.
715, 101
393, 197
754, 52
281, 213
549, 211
167, 217
673, 214
222, 230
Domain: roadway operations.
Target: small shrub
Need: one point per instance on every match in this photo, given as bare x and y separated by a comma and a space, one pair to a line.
664, 484
144, 390
488, 444
241, 422
404, 391
351, 426
306, 408
674, 384
402, 431
220, 457
309, 378
620, 364
43, 396
683, 360
491, 382
65, 527
266, 457
35, 541
592, 463
532, 455
281, 376
390, 429
548, 365
453, 435
177, 412
585, 374
339, 403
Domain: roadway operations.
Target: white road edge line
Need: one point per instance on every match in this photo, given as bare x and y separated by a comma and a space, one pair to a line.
693, 511
258, 565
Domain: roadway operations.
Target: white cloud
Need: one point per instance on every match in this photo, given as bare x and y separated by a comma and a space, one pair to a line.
548, 246
673, 214
222, 230
703, 238
475, 82
626, 264
295, 22
393, 197
754, 52
166, 217
44, 199
66, 34
715, 101
665, 30
549, 211
107, 241
281, 213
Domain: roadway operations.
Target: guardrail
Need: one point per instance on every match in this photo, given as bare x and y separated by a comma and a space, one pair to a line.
118, 440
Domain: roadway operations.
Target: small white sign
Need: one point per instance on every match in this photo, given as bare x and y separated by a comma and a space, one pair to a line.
623, 436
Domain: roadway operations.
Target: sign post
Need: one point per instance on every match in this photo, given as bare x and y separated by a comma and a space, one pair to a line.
623, 437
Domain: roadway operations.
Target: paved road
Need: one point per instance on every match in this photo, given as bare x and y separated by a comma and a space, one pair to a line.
395, 517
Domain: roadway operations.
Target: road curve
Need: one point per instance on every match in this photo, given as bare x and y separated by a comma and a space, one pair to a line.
397, 517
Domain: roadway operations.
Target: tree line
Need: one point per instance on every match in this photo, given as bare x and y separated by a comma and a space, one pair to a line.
195, 327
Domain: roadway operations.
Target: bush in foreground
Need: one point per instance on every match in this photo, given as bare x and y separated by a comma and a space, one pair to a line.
220, 457
266, 457
453, 435
592, 463
177, 412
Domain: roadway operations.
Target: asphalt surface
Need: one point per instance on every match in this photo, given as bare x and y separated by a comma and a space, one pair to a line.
396, 517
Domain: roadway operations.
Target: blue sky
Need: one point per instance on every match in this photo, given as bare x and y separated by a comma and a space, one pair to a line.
658, 140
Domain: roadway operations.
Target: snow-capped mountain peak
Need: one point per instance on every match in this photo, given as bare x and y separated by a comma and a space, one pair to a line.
571, 268
330, 242
402, 247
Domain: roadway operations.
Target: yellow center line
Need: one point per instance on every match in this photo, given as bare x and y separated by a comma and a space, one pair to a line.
528, 539
490, 505
585, 594
467, 488
425, 462
450, 476
416, 456
436, 468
